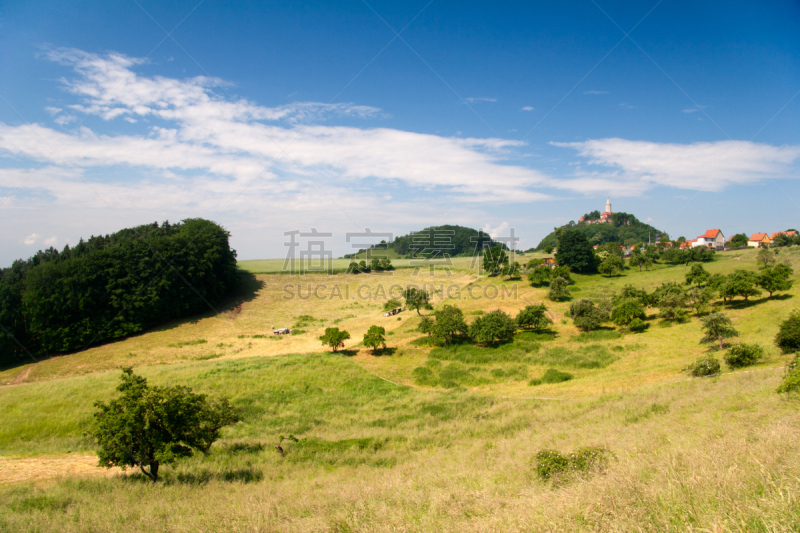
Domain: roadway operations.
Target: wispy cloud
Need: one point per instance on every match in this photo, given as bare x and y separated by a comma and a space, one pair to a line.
30, 240
595, 92
705, 166
474, 99
527, 108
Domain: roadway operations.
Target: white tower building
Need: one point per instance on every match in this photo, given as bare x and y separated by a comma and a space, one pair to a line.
608, 205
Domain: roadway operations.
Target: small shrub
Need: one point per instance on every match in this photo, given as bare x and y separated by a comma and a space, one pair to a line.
788, 337
298, 331
555, 376
534, 382
740, 355
550, 463
638, 325
791, 379
705, 366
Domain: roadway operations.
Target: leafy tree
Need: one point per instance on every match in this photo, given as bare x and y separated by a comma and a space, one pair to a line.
493, 328
699, 298
548, 249
717, 327
147, 427
426, 325
741, 355
375, 337
651, 252
512, 270
558, 290
417, 299
738, 240
671, 300
586, 315
334, 338
716, 281
637, 259
534, 317
629, 291
575, 251
392, 304
740, 283
449, 324
697, 275
563, 272
766, 256
612, 265
775, 279
788, 336
494, 259
540, 276
791, 379
626, 310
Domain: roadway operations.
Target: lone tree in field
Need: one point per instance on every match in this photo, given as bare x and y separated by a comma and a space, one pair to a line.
586, 315
558, 290
612, 265
375, 337
534, 317
575, 251
334, 338
697, 276
493, 328
766, 256
494, 259
417, 299
717, 327
147, 427
540, 276
740, 283
625, 310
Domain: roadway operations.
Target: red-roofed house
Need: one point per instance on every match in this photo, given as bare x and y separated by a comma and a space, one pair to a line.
791, 233
712, 238
758, 239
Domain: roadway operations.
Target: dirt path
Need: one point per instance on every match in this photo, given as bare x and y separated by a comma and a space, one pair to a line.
18, 468
22, 376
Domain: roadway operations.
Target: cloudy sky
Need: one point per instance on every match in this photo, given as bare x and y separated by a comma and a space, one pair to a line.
282, 116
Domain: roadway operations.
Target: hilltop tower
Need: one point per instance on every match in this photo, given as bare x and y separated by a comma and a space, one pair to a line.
608, 206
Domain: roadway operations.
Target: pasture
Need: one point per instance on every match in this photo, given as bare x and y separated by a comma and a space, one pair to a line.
382, 449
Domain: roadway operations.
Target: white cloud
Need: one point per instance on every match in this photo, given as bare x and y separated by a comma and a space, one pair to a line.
595, 92
53, 110
63, 120
30, 240
52, 241
499, 231
691, 110
474, 99
708, 166
527, 108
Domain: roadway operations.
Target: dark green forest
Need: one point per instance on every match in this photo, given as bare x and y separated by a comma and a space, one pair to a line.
624, 229
112, 286
439, 240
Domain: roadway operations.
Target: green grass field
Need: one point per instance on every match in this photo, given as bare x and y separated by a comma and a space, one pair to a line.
383, 450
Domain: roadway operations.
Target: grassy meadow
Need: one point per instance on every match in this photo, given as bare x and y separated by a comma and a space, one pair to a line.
420, 438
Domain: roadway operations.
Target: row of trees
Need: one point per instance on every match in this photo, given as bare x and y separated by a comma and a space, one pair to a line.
375, 265
112, 286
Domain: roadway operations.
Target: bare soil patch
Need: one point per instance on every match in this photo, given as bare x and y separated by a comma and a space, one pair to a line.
17, 469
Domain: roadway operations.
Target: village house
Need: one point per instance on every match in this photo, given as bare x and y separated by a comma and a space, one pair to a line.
758, 239
712, 238
790, 233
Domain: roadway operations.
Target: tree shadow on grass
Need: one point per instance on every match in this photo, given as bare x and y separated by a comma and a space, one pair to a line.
348, 353
199, 477
741, 304
389, 350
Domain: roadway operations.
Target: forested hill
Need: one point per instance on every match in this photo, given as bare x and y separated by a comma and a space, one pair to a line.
624, 228
112, 286
438, 240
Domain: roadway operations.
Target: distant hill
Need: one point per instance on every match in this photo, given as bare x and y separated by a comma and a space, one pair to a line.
436, 240
624, 228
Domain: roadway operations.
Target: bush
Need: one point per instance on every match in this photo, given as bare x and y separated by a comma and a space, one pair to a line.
788, 337
493, 328
740, 355
551, 464
554, 376
705, 366
791, 380
638, 325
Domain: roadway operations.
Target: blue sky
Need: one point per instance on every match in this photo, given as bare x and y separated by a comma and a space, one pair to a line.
280, 116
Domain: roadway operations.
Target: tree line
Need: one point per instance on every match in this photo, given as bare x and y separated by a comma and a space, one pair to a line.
112, 286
